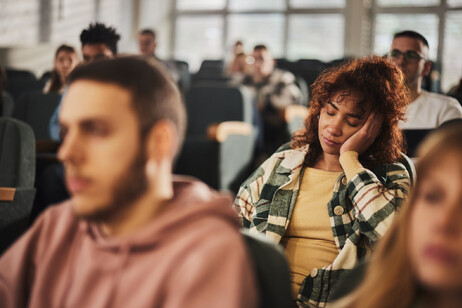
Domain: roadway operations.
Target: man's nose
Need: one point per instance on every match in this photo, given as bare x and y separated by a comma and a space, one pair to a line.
69, 151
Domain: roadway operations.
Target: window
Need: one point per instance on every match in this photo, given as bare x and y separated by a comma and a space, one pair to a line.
198, 37
249, 5
440, 24
289, 28
252, 29
452, 60
308, 33
419, 3
200, 4
454, 3
318, 29
301, 4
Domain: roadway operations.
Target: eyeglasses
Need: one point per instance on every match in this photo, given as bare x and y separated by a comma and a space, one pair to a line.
410, 55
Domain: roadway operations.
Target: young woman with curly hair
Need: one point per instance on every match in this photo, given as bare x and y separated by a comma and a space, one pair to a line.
331, 195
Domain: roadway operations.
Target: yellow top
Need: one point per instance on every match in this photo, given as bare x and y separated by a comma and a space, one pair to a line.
309, 241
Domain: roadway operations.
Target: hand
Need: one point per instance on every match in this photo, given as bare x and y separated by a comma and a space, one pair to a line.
361, 140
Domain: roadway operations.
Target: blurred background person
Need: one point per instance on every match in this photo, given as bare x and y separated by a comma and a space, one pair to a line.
99, 42
238, 64
275, 89
66, 59
147, 43
419, 261
239, 68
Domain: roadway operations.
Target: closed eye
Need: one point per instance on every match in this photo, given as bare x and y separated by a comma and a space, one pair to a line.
352, 125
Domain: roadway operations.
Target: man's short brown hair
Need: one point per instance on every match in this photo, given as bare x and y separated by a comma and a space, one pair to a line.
154, 96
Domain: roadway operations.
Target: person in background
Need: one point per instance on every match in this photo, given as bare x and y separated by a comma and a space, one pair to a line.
132, 235
238, 65
239, 68
419, 261
409, 50
66, 59
275, 89
98, 42
147, 43
331, 195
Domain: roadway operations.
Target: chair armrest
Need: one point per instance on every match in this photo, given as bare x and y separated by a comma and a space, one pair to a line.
219, 132
7, 193
295, 111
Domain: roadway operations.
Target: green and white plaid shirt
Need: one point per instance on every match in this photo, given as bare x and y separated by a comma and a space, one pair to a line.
360, 212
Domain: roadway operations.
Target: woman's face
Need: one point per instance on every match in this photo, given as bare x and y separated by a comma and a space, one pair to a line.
435, 238
65, 62
339, 119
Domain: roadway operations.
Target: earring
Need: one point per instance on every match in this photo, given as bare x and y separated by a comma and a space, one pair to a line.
151, 169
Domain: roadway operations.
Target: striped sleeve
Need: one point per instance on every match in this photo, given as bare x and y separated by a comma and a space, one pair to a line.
376, 202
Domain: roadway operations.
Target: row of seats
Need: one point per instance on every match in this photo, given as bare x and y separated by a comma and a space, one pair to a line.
17, 175
219, 144
222, 134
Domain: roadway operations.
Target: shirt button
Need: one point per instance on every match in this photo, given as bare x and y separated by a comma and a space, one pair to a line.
338, 210
314, 272
344, 180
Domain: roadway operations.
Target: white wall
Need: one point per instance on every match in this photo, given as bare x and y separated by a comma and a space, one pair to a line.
156, 14
30, 30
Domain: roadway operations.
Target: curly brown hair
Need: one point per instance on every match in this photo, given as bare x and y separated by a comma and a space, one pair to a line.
382, 85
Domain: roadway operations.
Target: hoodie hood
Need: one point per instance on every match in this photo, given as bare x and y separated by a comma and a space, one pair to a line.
193, 201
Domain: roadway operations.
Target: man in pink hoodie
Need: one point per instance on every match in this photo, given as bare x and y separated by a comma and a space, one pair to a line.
132, 235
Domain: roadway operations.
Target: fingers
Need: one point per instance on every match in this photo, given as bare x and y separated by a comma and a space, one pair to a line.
376, 124
373, 124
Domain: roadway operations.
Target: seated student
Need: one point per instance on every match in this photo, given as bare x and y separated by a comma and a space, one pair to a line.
147, 44
419, 261
329, 197
409, 50
427, 111
132, 235
275, 89
239, 68
98, 42
66, 59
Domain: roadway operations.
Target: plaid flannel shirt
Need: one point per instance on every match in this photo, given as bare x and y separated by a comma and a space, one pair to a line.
360, 212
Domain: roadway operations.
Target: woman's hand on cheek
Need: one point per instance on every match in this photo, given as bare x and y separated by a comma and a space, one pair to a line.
361, 140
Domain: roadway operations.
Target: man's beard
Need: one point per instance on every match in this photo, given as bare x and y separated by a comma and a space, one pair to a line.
127, 189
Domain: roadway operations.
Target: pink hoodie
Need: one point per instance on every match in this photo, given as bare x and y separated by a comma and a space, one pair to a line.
192, 255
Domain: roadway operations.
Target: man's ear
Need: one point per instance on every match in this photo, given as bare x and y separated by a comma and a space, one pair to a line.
162, 141
427, 68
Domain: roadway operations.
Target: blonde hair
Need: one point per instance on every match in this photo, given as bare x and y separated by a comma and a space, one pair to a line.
390, 280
